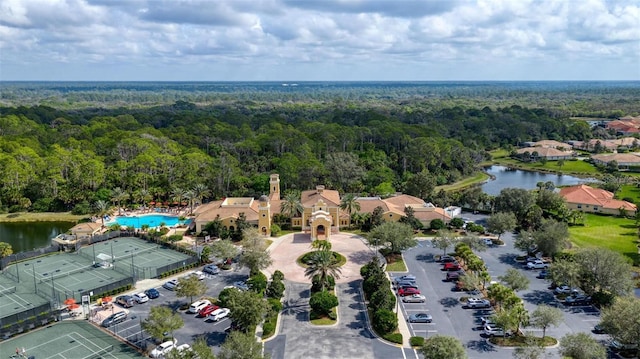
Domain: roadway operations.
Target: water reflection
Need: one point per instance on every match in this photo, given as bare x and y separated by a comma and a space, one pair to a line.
506, 177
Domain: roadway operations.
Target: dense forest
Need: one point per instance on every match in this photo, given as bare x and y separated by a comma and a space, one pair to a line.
57, 152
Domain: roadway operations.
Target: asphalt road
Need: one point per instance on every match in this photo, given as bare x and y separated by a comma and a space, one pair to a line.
194, 326
450, 318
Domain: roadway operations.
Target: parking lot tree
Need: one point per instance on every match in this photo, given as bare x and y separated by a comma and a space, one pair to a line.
565, 271
191, 287
552, 237
374, 282
443, 347
499, 294
621, 320
373, 267
475, 264
162, 320
501, 222
456, 222
394, 236
545, 316
515, 279
581, 346
470, 281
322, 302
474, 242
550, 201
384, 321
512, 317
240, 345
199, 350
204, 254
532, 349
255, 255
515, 200
258, 282
602, 270
444, 240
247, 308
275, 289
224, 249
383, 298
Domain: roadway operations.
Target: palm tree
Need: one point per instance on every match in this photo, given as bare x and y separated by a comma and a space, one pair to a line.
199, 191
323, 265
177, 194
191, 197
118, 195
291, 205
143, 196
350, 204
101, 208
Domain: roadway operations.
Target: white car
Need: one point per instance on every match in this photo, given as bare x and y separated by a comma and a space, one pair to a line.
140, 298
414, 298
197, 305
493, 331
198, 274
183, 348
478, 303
219, 314
565, 289
170, 285
537, 264
163, 349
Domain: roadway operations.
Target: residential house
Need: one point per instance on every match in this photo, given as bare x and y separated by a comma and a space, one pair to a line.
594, 200
549, 153
624, 160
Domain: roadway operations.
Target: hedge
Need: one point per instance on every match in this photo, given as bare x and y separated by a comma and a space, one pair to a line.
394, 338
416, 341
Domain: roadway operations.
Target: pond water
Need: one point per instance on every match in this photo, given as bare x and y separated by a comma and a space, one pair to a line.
506, 177
24, 236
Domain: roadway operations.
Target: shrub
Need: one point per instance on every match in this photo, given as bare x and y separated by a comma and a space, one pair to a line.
416, 341
323, 302
436, 224
223, 297
393, 337
315, 283
269, 327
275, 230
373, 283
275, 289
277, 275
384, 321
174, 238
382, 298
275, 304
457, 222
81, 208
603, 299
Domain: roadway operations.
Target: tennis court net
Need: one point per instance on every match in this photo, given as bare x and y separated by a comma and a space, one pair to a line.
99, 353
8, 290
57, 275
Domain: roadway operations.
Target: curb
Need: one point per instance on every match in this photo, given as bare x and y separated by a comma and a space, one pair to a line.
369, 328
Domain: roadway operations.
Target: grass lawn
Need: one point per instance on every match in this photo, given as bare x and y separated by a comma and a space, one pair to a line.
464, 183
395, 263
570, 167
629, 191
41, 217
614, 233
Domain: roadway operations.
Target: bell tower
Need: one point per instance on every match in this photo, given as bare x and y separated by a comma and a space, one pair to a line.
264, 216
274, 187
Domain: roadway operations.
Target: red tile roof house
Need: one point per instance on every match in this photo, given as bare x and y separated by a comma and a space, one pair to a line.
550, 154
594, 200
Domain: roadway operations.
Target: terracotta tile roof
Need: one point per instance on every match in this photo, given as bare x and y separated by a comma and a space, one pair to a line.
211, 210
87, 227
618, 157
583, 194
551, 144
368, 204
544, 151
310, 197
428, 216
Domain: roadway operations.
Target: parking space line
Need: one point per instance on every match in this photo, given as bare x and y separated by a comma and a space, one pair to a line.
416, 310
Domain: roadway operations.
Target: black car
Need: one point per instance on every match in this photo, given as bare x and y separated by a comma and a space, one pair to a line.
152, 293
599, 329
114, 318
446, 259
543, 274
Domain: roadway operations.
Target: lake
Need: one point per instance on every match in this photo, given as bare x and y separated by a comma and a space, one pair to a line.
506, 177
24, 236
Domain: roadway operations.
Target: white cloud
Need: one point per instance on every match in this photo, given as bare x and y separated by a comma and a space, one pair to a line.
318, 39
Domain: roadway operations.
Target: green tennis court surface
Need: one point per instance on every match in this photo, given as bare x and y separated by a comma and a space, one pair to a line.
68, 340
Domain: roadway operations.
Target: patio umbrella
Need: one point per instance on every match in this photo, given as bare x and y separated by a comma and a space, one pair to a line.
152, 202
106, 299
73, 306
69, 301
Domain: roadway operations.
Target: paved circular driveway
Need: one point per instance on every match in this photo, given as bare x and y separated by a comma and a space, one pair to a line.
286, 249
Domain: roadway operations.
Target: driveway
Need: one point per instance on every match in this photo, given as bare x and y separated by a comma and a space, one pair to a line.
349, 338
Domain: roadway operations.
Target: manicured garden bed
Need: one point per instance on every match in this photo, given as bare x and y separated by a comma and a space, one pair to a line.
395, 263
304, 259
520, 340
319, 319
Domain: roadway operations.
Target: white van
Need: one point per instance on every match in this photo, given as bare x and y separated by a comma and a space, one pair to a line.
196, 306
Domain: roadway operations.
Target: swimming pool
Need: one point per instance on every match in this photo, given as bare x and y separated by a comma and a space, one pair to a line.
153, 220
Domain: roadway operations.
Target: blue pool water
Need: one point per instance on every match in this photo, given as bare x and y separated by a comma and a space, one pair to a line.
153, 220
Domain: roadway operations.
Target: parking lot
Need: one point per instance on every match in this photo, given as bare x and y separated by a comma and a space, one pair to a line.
194, 326
449, 316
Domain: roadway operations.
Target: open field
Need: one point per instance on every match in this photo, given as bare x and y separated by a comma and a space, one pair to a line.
629, 191
464, 183
577, 168
614, 233
41, 217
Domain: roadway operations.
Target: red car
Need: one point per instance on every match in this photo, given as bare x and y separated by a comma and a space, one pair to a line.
454, 266
204, 312
408, 291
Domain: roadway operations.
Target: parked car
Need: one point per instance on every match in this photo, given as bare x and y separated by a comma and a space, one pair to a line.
196, 306
408, 291
487, 321
198, 274
114, 318
126, 301
618, 346
493, 331
152, 293
204, 312
140, 298
487, 242
478, 303
170, 285
406, 277
578, 299
183, 348
451, 266
453, 276
565, 289
599, 329
241, 285
163, 349
543, 274
211, 269
414, 298
446, 259
219, 314
404, 283
420, 318
537, 264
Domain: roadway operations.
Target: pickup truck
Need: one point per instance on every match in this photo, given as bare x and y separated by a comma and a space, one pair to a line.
537, 264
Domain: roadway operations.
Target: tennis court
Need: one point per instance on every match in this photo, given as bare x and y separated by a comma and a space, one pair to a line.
134, 256
16, 299
68, 340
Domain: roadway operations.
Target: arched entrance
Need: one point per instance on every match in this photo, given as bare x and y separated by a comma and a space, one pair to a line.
320, 232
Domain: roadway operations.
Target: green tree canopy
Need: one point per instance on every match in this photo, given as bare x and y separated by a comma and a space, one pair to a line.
239, 345
162, 320
395, 236
190, 286
581, 346
545, 316
443, 347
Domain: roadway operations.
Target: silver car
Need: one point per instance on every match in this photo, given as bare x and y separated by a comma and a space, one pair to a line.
420, 318
414, 298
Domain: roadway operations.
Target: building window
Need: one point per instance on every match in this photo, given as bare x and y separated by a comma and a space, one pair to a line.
264, 215
595, 208
579, 206
390, 215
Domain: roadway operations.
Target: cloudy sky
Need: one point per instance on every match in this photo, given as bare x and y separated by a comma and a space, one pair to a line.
296, 40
